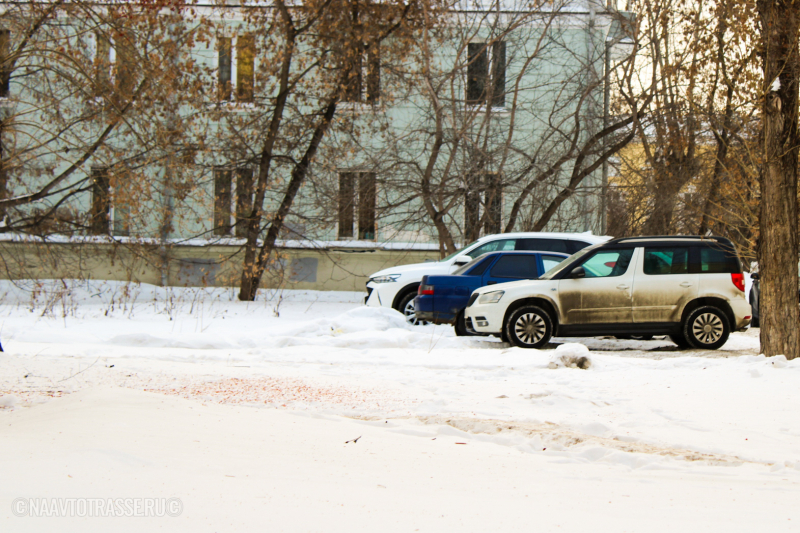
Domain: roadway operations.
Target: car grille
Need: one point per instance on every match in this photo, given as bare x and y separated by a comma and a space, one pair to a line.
472, 299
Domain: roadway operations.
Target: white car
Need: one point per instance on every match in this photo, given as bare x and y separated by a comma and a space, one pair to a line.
396, 287
689, 288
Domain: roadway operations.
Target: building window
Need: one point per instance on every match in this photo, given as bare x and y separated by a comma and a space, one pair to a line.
100, 214
245, 67
5, 51
357, 190
486, 73
242, 71
224, 69
119, 60
482, 189
230, 216
368, 66
493, 202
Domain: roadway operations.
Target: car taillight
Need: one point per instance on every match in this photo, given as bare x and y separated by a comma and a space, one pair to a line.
738, 280
425, 289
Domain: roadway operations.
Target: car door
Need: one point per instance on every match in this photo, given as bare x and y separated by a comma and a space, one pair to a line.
662, 284
604, 295
512, 267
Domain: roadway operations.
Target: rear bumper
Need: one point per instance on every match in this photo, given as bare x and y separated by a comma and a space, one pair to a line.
424, 310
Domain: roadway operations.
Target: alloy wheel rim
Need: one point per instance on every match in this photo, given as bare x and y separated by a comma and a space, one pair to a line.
410, 313
530, 328
707, 328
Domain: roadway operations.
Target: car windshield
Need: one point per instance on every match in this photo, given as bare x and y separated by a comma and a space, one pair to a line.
449, 257
460, 270
568, 262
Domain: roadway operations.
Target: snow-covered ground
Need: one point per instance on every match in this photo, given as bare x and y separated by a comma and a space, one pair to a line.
243, 410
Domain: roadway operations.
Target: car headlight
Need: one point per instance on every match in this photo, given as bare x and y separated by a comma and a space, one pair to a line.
491, 297
385, 279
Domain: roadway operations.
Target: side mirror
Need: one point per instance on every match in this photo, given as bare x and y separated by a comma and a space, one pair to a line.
755, 276
577, 272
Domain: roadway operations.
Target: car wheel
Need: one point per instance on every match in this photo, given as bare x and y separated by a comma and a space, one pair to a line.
529, 327
461, 326
707, 328
680, 340
406, 307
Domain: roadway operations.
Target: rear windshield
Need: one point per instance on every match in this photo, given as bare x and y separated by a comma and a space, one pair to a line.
476, 267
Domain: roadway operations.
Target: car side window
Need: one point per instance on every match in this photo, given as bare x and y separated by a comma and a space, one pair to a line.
714, 260
494, 246
549, 261
659, 261
515, 266
608, 263
543, 245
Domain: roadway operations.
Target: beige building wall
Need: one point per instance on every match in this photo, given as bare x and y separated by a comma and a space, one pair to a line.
328, 269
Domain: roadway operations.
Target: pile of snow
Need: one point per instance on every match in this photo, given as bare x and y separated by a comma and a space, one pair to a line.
571, 355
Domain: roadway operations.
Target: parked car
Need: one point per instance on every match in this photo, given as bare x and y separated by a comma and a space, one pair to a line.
442, 299
755, 293
689, 288
396, 287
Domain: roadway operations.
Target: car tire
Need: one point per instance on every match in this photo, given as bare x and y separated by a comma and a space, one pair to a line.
460, 326
406, 306
680, 340
707, 328
529, 326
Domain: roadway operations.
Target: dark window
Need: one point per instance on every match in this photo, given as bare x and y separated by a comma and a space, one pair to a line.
374, 73
543, 245
516, 266
357, 195
499, 74
366, 206
347, 199
5, 73
224, 69
223, 185
483, 77
477, 69
608, 263
101, 202
658, 261
122, 206
244, 199
245, 67
102, 65
718, 260
493, 202
472, 206
126, 63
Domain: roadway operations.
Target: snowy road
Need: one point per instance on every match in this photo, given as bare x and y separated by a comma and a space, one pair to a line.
641, 407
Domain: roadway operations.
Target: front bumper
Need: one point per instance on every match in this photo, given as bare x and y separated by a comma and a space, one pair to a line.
381, 294
486, 318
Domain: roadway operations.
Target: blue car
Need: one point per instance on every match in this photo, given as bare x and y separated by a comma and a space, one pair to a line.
442, 299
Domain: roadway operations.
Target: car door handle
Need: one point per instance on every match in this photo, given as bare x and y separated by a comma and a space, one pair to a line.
622, 287
686, 284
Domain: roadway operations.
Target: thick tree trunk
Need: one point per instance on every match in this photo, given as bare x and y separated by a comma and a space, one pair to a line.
778, 243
